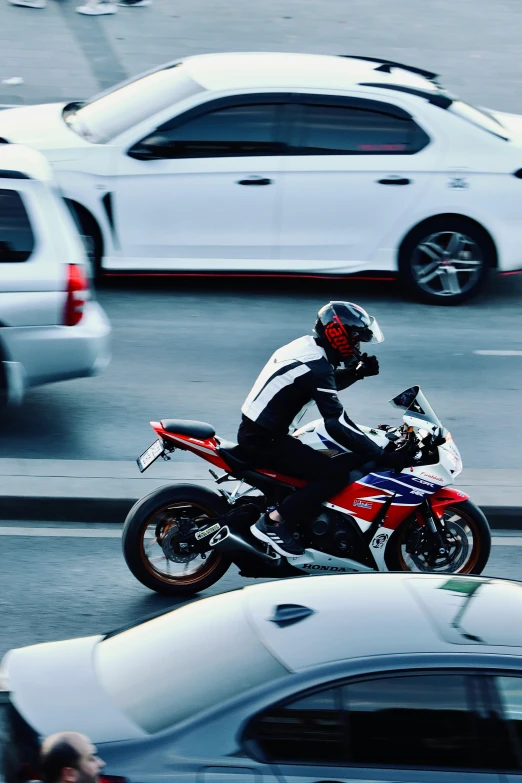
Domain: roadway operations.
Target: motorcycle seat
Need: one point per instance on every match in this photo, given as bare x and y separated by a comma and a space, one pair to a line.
194, 429
233, 455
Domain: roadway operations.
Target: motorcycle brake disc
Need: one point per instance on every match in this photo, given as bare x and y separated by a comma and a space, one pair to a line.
172, 547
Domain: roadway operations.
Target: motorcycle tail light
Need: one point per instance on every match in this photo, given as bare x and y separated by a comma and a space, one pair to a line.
77, 295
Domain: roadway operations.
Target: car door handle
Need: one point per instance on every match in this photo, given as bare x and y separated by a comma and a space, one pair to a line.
255, 181
394, 181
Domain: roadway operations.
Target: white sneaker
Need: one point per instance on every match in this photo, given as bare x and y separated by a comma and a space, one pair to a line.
97, 10
29, 3
139, 4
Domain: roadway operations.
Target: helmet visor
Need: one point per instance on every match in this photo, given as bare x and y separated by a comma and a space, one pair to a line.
371, 333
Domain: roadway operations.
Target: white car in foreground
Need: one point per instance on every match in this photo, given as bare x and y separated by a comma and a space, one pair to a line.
51, 328
288, 164
365, 678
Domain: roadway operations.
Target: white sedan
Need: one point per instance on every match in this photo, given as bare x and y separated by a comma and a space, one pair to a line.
366, 678
289, 164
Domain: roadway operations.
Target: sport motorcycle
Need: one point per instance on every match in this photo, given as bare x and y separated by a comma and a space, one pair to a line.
182, 538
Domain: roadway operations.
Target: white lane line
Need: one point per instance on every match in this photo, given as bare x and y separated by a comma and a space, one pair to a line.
57, 532
498, 353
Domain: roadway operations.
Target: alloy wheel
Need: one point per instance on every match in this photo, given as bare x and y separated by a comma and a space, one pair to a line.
447, 263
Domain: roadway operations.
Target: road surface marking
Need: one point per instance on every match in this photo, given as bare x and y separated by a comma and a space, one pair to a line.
67, 532
56, 532
498, 353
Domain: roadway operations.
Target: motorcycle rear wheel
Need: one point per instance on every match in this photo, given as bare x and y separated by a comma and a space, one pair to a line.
466, 525
144, 541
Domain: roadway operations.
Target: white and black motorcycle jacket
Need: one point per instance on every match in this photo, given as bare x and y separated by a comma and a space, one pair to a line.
296, 376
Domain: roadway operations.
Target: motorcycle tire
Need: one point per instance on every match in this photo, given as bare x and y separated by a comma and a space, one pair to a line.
481, 549
147, 513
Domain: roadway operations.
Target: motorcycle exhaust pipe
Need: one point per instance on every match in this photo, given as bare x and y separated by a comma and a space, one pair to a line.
227, 541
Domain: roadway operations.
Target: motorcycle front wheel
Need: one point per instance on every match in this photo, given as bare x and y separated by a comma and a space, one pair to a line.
150, 542
467, 536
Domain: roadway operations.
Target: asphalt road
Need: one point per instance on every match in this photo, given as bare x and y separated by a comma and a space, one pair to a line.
55, 587
193, 350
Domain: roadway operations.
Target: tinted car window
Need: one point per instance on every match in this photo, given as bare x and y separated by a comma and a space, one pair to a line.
340, 130
232, 131
510, 693
405, 721
411, 721
310, 730
16, 235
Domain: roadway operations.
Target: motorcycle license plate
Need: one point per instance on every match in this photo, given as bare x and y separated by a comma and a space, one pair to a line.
151, 455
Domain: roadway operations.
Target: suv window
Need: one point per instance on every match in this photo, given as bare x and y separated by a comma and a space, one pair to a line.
16, 234
229, 132
344, 130
420, 720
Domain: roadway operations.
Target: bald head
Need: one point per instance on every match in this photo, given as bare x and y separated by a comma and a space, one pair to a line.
69, 757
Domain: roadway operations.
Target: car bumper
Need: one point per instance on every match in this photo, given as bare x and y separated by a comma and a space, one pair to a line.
58, 353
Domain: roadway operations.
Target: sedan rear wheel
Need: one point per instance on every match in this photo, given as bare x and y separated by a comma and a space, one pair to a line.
446, 261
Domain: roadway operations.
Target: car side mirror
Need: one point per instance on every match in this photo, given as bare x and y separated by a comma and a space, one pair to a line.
155, 147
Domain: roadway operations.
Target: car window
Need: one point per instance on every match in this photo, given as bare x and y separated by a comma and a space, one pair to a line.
408, 721
309, 730
227, 132
510, 694
343, 130
16, 235
425, 720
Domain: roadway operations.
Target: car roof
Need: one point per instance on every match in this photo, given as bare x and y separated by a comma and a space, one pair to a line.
273, 70
361, 615
19, 162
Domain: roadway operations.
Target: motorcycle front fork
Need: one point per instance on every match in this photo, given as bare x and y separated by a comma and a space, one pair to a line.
434, 527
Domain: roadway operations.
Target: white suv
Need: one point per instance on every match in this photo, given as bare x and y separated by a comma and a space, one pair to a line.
50, 327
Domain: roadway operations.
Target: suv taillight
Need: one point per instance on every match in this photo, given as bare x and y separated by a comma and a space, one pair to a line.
77, 295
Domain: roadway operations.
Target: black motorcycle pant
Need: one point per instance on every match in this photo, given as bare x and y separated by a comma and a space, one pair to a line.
325, 475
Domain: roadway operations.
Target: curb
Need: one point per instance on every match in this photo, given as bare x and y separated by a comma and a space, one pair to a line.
114, 510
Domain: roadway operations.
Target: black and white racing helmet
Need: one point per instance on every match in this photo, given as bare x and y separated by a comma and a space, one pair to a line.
341, 326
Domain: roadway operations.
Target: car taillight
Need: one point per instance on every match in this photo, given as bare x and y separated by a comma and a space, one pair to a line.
111, 779
77, 295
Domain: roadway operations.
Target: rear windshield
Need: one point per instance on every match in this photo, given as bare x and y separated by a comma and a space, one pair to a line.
104, 118
479, 117
174, 666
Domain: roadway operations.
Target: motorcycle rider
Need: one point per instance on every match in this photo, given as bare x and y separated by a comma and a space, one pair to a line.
305, 371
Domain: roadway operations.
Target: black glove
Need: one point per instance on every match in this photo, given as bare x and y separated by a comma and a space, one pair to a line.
370, 366
401, 458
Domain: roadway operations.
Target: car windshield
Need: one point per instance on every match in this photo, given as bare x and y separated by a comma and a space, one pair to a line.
413, 400
193, 676
479, 117
102, 119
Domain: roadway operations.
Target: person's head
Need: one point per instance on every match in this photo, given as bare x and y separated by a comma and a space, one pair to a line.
340, 329
69, 757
